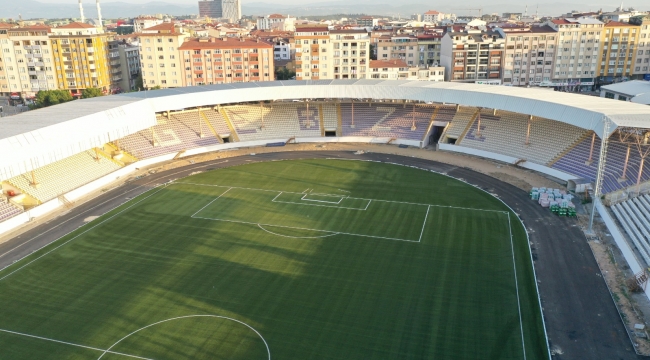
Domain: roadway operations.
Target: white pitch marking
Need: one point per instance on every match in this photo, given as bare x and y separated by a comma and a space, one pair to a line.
91, 209
90, 228
73, 344
300, 228
213, 200
424, 223
353, 198
191, 316
298, 237
514, 265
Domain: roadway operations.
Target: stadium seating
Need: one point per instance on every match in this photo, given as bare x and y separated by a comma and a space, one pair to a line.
330, 117
62, 176
281, 120
386, 120
574, 162
505, 133
459, 121
178, 133
8, 210
445, 113
634, 216
217, 121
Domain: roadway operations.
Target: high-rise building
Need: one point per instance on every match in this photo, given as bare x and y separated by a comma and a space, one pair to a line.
642, 59
618, 46
399, 47
4, 44
529, 55
130, 64
231, 10
81, 57
221, 9
226, 60
350, 54
576, 58
28, 60
210, 8
473, 55
331, 54
159, 56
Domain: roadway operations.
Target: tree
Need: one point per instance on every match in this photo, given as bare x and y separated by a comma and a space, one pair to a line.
91, 93
138, 83
284, 74
46, 98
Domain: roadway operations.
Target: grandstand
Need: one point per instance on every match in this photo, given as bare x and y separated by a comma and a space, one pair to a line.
55, 179
507, 133
88, 142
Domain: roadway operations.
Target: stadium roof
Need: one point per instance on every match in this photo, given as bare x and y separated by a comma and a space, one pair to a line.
37, 138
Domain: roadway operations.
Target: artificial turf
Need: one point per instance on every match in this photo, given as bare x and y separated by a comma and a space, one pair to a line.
359, 268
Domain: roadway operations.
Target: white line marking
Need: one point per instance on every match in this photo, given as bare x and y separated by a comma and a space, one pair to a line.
298, 237
276, 196
424, 223
327, 202
85, 231
191, 316
213, 200
306, 204
92, 208
368, 204
352, 198
73, 344
521, 324
300, 228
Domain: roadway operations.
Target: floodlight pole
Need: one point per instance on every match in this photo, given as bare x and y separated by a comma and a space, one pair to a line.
600, 173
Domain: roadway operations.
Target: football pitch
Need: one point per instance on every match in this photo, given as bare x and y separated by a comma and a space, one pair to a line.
300, 259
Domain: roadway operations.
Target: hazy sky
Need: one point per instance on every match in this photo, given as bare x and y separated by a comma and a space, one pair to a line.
640, 4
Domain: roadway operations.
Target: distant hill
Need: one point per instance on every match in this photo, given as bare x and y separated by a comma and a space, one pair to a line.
34, 9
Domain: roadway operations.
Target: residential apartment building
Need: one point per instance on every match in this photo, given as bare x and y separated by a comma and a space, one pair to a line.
81, 57
577, 55
617, 51
331, 54
642, 58
433, 16
313, 48
529, 55
226, 60
282, 50
5, 89
350, 53
473, 55
429, 45
399, 47
399, 70
28, 60
142, 22
115, 66
276, 22
368, 22
130, 65
159, 56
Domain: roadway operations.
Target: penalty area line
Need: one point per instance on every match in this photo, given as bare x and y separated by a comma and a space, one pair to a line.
73, 344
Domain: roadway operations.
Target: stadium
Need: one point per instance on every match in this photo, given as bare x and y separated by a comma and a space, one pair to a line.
317, 219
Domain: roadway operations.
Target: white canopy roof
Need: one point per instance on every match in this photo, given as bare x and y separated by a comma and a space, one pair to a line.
36, 138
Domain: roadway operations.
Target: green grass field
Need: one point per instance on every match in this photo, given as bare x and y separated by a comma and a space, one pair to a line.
310, 259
